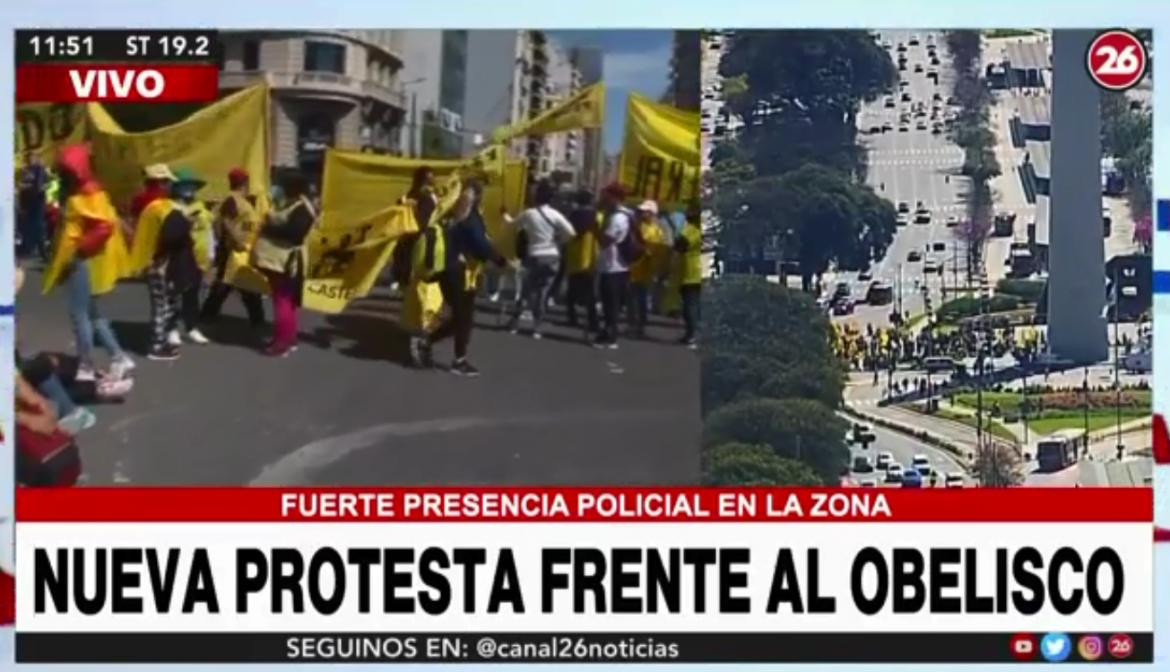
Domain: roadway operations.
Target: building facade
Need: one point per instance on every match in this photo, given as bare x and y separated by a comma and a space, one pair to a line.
330, 88
590, 62
434, 83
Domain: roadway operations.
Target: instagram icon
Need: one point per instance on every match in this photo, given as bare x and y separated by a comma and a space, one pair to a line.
1089, 647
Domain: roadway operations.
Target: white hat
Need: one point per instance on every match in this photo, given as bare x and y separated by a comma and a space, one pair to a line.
648, 206
158, 171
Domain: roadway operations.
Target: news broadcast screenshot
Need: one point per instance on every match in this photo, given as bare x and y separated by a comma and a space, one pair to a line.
587, 344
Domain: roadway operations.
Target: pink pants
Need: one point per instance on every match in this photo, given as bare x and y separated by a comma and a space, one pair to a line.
284, 308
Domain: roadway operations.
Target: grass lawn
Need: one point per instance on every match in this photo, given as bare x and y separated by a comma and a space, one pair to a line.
1009, 402
1098, 420
989, 425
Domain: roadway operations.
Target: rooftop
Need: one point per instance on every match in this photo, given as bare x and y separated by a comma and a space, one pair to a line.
1040, 156
1027, 55
1035, 110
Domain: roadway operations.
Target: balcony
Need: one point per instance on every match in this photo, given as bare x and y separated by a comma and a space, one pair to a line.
316, 84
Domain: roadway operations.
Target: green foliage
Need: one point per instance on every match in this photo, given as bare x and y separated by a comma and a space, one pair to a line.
748, 464
1028, 291
968, 306
799, 429
766, 340
1128, 134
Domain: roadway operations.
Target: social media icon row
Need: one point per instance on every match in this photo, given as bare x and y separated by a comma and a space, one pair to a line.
1056, 647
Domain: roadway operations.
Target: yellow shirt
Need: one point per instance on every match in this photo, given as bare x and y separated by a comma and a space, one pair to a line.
109, 265
691, 267
201, 233
146, 231
649, 267
581, 253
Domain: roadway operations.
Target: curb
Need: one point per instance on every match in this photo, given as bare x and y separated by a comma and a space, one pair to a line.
911, 431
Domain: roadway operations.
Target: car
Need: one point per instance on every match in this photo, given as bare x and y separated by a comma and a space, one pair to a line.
937, 97
922, 216
938, 246
903, 207
868, 483
904, 117
934, 60
906, 97
901, 65
918, 67
843, 307
902, 219
875, 129
863, 434
884, 459
865, 276
931, 267
904, 83
901, 47
911, 479
886, 44
914, 256
919, 113
952, 221
921, 464
904, 128
862, 465
954, 480
890, 101
913, 40
936, 129
887, 126
921, 125
894, 473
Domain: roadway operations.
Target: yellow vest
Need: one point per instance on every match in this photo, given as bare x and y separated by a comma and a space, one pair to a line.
201, 232
146, 232
649, 267
245, 223
692, 259
275, 256
105, 268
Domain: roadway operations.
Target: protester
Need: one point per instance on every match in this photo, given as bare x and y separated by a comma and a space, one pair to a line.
277, 253
688, 246
644, 273
89, 256
466, 249
32, 183
156, 184
612, 266
237, 222
542, 228
580, 262
422, 194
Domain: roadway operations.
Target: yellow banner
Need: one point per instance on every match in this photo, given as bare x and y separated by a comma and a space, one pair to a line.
343, 262
355, 185
660, 157
584, 109
227, 134
47, 127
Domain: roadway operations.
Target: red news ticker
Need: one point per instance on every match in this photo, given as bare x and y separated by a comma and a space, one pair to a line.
583, 504
127, 83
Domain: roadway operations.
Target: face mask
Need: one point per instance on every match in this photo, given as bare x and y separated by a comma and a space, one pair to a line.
185, 194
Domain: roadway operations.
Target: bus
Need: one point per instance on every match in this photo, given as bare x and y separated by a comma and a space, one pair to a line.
1061, 449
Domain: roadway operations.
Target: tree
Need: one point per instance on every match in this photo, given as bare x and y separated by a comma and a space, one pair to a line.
813, 215
798, 429
998, 465
965, 47
805, 88
747, 464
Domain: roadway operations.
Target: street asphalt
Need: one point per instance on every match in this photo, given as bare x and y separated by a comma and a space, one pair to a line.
345, 409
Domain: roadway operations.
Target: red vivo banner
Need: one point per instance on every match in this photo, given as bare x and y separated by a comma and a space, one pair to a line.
583, 504
93, 82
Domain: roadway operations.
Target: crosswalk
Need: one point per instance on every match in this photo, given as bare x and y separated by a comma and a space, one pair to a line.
928, 151
954, 162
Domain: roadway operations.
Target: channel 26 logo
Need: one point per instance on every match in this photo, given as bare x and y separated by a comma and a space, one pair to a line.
1117, 60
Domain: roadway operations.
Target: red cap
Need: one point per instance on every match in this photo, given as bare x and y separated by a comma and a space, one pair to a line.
615, 189
237, 176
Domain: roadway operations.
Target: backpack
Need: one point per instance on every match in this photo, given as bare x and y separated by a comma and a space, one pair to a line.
632, 248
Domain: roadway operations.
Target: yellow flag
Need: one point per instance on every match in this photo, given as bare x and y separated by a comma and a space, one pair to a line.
660, 156
45, 128
224, 135
584, 109
343, 262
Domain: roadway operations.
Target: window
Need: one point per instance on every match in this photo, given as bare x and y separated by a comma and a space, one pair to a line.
251, 55
324, 57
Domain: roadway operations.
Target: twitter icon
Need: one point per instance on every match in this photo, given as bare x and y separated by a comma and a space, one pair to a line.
1055, 647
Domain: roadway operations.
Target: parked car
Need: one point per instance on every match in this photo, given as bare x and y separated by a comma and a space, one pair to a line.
954, 480
921, 464
862, 465
884, 459
894, 473
914, 256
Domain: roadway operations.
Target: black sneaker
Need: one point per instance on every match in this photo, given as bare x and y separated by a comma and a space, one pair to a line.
601, 342
163, 353
462, 367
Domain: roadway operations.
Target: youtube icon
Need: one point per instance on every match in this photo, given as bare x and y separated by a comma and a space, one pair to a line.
1023, 646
